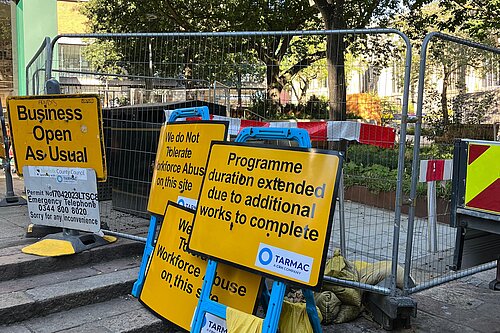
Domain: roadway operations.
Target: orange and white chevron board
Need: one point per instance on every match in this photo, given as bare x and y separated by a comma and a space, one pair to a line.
482, 183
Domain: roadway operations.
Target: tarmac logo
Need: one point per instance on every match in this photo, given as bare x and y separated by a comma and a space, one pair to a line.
213, 324
187, 202
287, 263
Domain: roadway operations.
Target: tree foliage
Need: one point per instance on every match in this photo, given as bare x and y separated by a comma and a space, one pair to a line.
478, 17
258, 52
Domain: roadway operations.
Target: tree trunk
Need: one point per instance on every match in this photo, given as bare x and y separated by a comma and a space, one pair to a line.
274, 85
335, 49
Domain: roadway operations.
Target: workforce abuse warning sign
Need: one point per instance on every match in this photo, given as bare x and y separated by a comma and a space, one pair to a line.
180, 162
175, 274
268, 209
57, 130
62, 197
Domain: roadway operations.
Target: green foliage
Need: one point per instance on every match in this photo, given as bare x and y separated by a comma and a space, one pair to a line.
472, 108
375, 177
388, 109
367, 155
104, 57
264, 107
436, 152
433, 118
376, 168
315, 108
479, 17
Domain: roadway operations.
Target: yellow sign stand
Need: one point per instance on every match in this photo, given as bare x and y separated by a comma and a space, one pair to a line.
180, 162
279, 201
57, 130
174, 274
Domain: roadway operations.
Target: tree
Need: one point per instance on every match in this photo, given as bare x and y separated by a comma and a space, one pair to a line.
448, 61
209, 16
347, 14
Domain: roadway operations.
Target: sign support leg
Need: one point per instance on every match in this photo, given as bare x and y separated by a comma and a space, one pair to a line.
148, 250
432, 220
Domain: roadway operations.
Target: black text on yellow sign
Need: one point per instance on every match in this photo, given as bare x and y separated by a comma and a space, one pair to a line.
57, 130
270, 209
174, 278
180, 162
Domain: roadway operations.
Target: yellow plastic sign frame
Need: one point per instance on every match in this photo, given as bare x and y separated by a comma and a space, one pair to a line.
268, 209
170, 260
180, 162
58, 130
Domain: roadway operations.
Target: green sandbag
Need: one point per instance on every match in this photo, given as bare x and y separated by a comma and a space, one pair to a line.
340, 268
328, 304
347, 313
378, 271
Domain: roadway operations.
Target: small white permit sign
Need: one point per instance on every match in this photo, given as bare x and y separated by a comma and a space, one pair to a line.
62, 197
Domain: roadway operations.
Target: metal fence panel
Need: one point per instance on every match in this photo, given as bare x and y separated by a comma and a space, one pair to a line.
281, 77
458, 97
37, 71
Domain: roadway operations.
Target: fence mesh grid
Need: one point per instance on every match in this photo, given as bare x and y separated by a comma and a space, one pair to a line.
274, 77
36, 70
461, 100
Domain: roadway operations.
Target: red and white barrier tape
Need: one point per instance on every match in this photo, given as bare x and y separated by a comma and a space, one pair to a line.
375, 135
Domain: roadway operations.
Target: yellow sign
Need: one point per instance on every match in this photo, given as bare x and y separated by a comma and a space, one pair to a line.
57, 130
180, 162
268, 209
174, 278
482, 183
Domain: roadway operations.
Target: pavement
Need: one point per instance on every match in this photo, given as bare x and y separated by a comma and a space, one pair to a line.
464, 305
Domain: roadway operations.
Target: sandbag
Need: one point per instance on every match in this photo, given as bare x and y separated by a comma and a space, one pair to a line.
341, 268
294, 318
238, 321
328, 304
378, 271
360, 265
347, 313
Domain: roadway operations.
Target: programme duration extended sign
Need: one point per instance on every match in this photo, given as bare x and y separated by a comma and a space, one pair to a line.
175, 277
268, 209
62, 197
180, 162
57, 130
